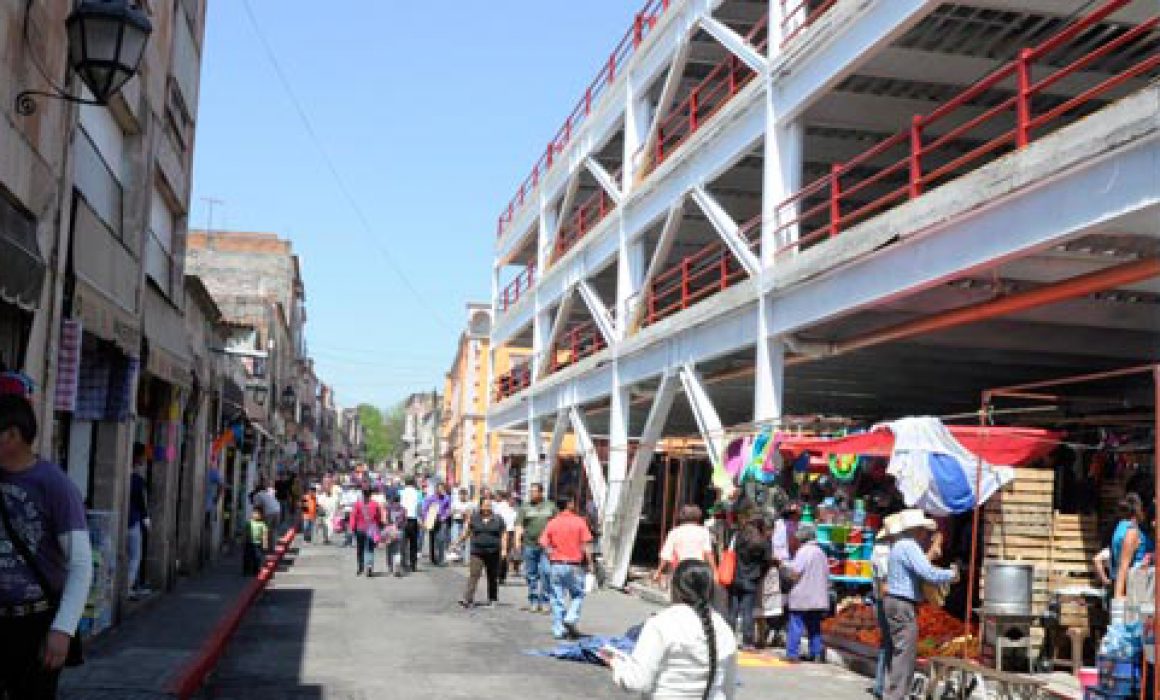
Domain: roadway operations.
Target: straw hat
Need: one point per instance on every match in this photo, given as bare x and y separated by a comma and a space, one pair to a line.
888, 526
910, 519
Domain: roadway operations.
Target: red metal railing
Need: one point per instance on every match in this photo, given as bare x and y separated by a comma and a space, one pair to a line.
517, 287
515, 381
641, 28
798, 15
578, 342
709, 96
699, 276
590, 213
960, 136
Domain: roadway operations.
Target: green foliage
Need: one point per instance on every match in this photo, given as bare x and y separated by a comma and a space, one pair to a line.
383, 432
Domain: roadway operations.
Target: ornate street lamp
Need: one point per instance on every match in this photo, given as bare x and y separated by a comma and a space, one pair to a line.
260, 393
106, 41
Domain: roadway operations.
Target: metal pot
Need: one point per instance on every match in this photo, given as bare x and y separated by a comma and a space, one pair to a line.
1008, 590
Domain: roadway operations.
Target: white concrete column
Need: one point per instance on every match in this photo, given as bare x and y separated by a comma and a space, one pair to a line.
630, 270
769, 375
534, 469
783, 177
638, 118
546, 236
618, 428
541, 337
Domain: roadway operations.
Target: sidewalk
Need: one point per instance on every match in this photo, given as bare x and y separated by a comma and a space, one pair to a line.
138, 659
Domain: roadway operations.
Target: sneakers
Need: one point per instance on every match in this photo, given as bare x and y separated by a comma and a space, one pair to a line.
573, 632
465, 605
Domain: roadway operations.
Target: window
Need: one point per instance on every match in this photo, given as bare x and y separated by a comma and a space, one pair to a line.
162, 253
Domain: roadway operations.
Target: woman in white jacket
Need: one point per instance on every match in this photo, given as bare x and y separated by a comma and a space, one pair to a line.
685, 652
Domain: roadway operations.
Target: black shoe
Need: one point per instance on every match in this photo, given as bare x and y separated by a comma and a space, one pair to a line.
465, 605
573, 630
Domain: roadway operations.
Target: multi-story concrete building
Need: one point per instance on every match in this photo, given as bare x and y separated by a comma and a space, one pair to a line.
421, 433
465, 450
94, 203
860, 208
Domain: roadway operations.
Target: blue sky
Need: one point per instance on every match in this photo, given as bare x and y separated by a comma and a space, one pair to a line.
430, 113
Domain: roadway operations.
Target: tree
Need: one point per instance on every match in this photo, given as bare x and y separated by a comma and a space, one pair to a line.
394, 422
374, 433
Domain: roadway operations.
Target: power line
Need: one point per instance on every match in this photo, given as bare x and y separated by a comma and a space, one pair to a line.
330, 166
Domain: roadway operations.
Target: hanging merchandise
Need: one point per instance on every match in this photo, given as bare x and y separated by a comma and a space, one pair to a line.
801, 463
936, 473
764, 459
736, 453
844, 467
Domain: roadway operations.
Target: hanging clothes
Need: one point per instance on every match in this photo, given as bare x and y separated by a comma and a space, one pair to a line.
935, 472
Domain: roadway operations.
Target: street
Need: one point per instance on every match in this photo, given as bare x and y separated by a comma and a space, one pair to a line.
320, 632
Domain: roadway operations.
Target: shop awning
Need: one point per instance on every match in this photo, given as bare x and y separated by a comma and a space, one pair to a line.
1008, 446
21, 266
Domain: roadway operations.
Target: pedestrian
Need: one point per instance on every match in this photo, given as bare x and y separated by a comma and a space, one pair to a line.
461, 510
265, 498
410, 498
567, 542
505, 510
1130, 542
531, 519
754, 556
685, 651
880, 568
46, 564
327, 508
257, 542
309, 514
366, 522
907, 569
138, 522
347, 499
486, 530
809, 595
394, 534
690, 539
437, 518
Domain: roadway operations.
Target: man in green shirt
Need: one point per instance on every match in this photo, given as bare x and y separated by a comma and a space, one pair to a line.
531, 519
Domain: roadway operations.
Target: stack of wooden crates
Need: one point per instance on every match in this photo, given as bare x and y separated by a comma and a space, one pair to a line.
1021, 524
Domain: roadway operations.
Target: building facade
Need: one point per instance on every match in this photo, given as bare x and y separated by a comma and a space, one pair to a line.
766, 210
421, 433
94, 208
465, 451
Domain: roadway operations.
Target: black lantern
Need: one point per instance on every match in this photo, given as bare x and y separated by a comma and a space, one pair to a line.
288, 397
106, 41
261, 391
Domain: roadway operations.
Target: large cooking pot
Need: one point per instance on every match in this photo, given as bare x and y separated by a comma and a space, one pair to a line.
1008, 587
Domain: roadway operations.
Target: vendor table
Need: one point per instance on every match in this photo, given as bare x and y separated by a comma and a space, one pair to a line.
959, 677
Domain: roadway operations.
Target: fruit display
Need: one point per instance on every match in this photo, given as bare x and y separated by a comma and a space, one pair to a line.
939, 632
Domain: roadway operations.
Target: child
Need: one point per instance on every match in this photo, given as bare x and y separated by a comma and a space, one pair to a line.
257, 542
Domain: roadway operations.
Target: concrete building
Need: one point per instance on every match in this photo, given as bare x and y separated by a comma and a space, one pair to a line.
256, 280
855, 208
421, 433
94, 204
465, 450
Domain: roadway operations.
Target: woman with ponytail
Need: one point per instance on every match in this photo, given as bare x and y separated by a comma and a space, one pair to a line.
687, 651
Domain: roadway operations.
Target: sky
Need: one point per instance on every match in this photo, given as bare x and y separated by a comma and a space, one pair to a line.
410, 127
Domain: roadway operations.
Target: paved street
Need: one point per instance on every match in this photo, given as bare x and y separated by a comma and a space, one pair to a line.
320, 632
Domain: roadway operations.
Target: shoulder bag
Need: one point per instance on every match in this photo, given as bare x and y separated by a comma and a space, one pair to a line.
76, 655
727, 570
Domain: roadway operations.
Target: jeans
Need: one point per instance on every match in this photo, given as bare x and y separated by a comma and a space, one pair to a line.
481, 562
252, 559
741, 605
133, 544
810, 622
884, 652
308, 529
902, 621
411, 534
366, 552
395, 555
22, 676
567, 581
438, 542
457, 528
536, 573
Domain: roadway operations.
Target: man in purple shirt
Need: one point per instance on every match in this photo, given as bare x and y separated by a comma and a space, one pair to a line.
45, 559
439, 523
809, 599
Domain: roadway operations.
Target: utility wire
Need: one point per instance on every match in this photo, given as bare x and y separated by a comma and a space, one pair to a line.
435, 315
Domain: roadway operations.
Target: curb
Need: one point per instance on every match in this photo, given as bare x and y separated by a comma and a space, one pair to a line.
194, 675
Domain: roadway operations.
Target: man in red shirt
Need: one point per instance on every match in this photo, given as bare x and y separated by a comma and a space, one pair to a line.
568, 543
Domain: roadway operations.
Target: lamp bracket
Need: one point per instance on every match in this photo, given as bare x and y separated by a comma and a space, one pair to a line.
26, 105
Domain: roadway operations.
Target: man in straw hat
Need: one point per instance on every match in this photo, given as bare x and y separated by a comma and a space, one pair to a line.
907, 569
